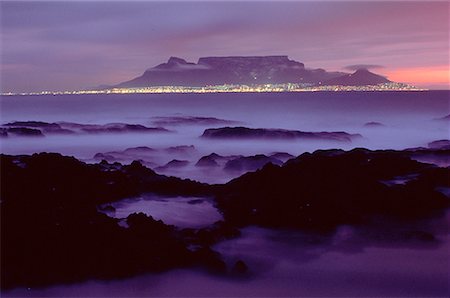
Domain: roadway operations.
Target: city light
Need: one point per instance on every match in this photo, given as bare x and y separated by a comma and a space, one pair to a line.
288, 87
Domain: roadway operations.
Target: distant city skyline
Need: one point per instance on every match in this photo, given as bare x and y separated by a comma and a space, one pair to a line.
78, 44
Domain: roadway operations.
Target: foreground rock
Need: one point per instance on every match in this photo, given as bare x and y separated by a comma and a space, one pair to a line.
250, 163
266, 133
51, 231
329, 188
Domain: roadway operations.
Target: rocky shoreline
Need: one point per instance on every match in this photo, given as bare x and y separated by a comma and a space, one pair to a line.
53, 233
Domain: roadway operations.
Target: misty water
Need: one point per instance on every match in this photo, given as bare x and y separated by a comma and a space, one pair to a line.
408, 119
282, 263
183, 212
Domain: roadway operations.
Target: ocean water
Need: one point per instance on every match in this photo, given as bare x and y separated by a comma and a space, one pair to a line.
282, 263
408, 120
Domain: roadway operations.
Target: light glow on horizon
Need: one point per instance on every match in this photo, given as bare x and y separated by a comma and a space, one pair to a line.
437, 76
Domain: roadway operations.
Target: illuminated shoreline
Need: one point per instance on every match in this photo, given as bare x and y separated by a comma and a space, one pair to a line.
262, 88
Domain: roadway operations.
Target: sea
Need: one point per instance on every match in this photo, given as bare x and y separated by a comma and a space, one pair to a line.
282, 263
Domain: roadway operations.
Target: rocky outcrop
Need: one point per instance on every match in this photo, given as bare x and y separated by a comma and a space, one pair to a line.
250, 163
190, 120
173, 164
21, 131
325, 189
373, 124
267, 133
52, 232
42, 128
440, 144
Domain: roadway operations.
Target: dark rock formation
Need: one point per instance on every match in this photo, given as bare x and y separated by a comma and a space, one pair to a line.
35, 124
119, 127
373, 124
250, 163
51, 231
440, 144
45, 127
173, 164
24, 131
328, 188
239, 268
266, 133
209, 160
139, 150
191, 120
283, 156
229, 70
40, 128
360, 77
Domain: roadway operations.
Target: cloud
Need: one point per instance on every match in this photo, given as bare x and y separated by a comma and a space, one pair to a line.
123, 39
363, 66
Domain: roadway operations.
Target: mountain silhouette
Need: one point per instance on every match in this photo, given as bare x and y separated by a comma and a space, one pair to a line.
229, 70
360, 77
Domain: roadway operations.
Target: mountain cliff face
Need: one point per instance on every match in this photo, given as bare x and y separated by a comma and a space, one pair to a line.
230, 70
360, 77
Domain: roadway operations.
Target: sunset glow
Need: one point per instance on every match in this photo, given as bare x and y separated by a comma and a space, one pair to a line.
437, 76
74, 45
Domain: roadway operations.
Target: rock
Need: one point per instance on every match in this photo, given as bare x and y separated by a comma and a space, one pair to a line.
51, 128
440, 144
52, 232
109, 128
103, 156
139, 150
209, 160
239, 268
35, 124
373, 124
328, 188
25, 131
250, 163
266, 133
191, 120
283, 156
173, 164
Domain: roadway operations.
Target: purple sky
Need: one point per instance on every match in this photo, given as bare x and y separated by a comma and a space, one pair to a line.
77, 44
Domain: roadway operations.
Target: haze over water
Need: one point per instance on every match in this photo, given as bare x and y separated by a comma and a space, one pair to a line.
408, 120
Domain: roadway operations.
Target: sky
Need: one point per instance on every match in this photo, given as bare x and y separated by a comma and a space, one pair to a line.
72, 45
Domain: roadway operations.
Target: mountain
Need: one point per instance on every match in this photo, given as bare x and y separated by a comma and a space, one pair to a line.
360, 77
229, 70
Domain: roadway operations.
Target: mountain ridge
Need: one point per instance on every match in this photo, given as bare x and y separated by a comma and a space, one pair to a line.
245, 70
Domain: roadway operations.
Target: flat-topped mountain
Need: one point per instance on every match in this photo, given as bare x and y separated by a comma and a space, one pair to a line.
230, 70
